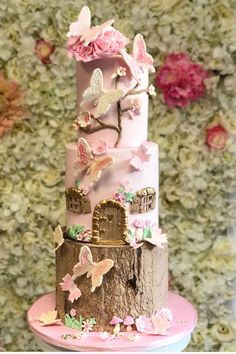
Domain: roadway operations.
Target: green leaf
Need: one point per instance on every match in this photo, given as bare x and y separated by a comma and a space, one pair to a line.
72, 322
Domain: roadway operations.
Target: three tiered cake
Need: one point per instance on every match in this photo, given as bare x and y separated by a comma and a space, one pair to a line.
111, 258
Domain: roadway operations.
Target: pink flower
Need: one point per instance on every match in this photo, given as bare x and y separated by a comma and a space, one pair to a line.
44, 50
216, 137
165, 313
87, 327
75, 293
138, 223
143, 324
100, 148
181, 80
135, 107
73, 312
69, 285
83, 120
119, 197
107, 44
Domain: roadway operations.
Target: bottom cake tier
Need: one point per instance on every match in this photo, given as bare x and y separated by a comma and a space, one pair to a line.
136, 285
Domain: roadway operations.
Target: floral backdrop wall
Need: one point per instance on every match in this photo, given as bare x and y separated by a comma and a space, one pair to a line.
195, 137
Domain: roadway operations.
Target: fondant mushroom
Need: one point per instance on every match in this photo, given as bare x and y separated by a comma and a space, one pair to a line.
129, 321
116, 321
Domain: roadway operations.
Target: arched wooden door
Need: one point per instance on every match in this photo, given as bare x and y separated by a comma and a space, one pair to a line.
109, 222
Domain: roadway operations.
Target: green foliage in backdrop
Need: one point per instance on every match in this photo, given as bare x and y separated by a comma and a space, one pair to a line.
195, 181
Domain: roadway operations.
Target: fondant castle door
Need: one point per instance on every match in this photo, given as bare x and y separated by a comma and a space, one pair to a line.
109, 223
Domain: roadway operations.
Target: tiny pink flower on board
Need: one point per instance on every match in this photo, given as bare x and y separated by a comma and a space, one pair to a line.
181, 80
73, 312
143, 324
138, 223
216, 137
100, 147
44, 50
160, 325
87, 327
119, 197
165, 313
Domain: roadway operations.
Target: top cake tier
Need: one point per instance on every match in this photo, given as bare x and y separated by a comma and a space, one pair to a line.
112, 83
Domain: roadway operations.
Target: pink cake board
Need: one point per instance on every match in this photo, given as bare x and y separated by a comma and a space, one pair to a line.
185, 319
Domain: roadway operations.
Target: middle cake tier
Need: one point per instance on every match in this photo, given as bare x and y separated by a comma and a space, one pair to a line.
123, 201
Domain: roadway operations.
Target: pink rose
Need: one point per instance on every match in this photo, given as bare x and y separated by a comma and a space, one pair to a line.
73, 312
143, 324
119, 197
181, 80
139, 223
109, 43
216, 137
165, 314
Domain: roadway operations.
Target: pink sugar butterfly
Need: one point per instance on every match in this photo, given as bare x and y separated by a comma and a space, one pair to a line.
139, 59
83, 28
142, 155
93, 270
87, 162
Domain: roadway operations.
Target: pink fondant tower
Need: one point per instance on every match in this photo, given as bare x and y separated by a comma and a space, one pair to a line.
112, 103
113, 254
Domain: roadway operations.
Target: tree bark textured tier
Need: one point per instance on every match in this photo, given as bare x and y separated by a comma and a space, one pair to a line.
136, 285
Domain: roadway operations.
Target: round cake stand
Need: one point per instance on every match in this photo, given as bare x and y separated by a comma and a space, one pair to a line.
50, 338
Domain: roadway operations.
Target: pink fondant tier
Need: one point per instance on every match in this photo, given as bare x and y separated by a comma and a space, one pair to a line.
134, 131
110, 182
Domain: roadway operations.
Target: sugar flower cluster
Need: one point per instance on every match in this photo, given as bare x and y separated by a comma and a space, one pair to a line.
108, 43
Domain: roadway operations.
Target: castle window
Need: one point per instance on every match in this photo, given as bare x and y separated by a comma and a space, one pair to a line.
144, 201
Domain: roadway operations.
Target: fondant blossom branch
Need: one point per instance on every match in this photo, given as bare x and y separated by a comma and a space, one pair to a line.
101, 104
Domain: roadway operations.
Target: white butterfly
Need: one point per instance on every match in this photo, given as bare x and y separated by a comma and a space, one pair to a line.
83, 28
139, 59
87, 162
100, 98
93, 270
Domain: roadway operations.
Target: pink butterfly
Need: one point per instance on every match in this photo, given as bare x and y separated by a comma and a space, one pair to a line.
83, 28
93, 270
142, 155
87, 162
68, 284
139, 59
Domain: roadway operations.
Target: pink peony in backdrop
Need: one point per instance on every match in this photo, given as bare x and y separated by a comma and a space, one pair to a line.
181, 80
